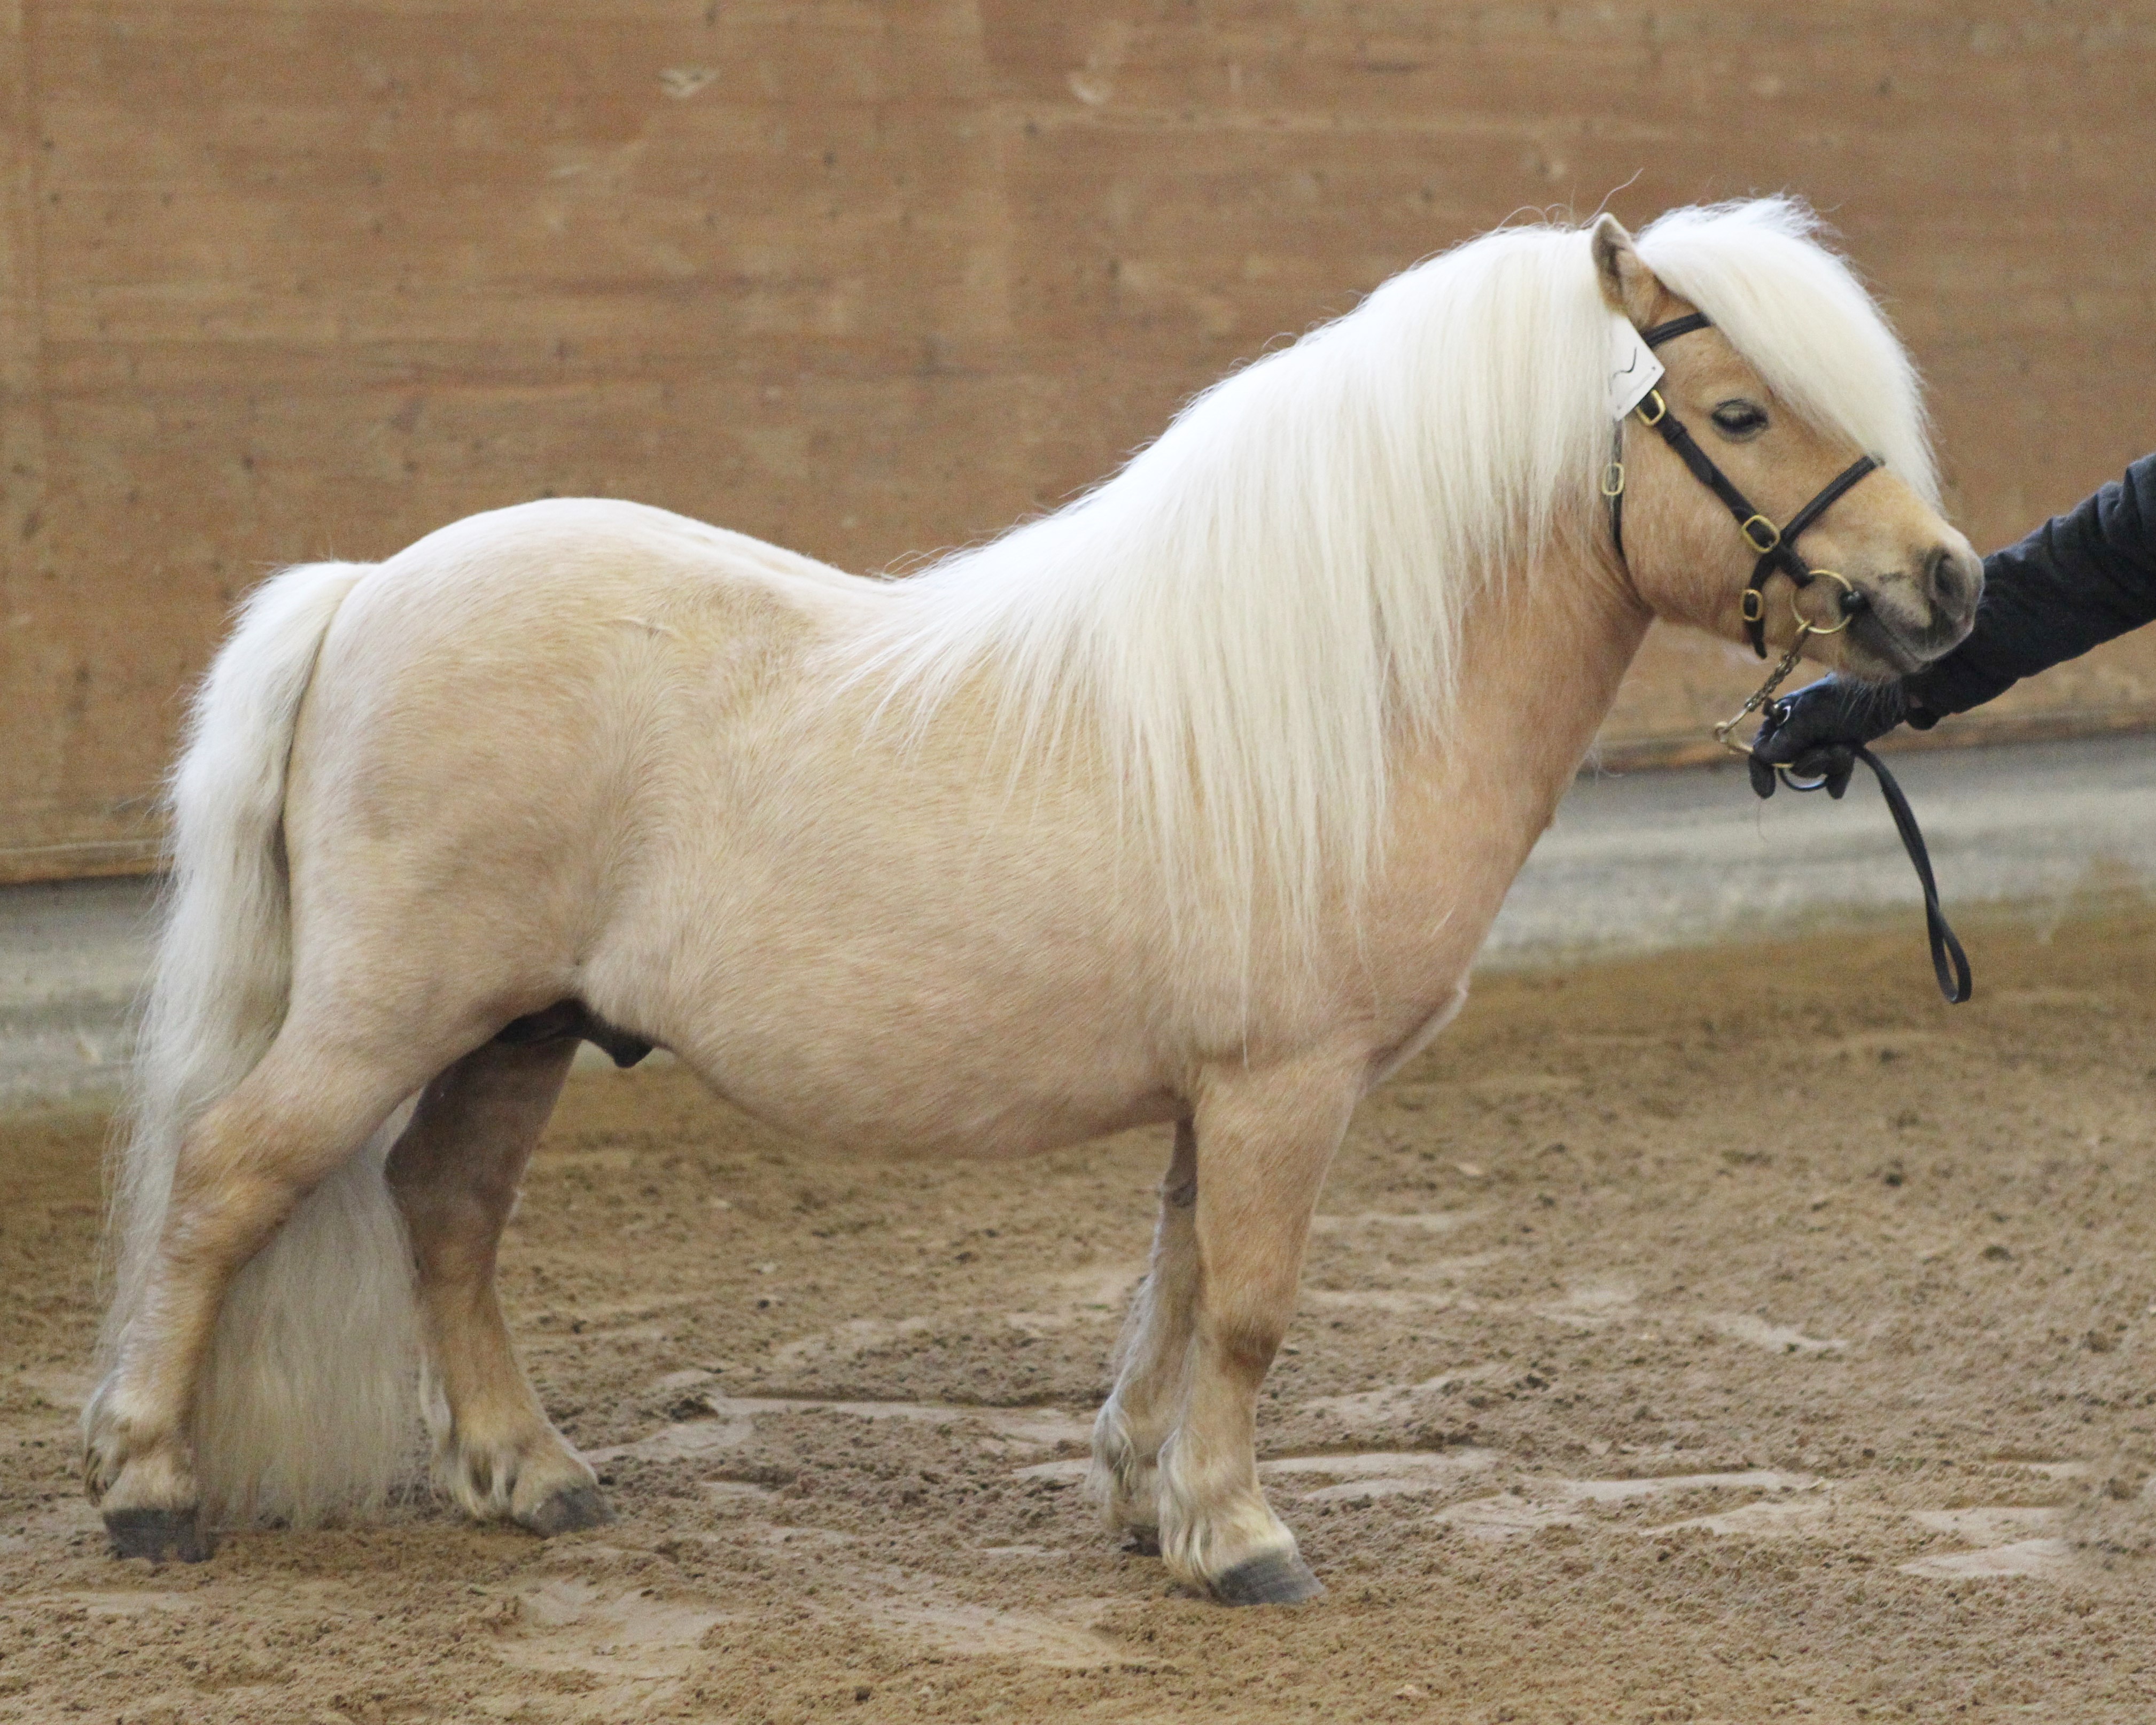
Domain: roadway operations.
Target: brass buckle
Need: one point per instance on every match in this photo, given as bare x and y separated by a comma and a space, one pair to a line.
1752, 606
1773, 534
1613, 480
1661, 408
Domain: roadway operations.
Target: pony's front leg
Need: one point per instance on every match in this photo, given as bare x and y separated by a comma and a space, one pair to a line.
1265, 1140
455, 1175
1151, 1360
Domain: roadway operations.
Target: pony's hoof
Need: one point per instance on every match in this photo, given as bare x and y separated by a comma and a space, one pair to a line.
151, 1533
570, 1512
1277, 1579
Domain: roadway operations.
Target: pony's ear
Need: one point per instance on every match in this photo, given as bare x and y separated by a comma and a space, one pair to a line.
1629, 287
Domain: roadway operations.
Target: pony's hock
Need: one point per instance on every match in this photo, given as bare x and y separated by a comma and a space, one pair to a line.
1191, 803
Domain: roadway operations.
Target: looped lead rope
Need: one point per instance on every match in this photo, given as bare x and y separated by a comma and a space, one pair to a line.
1949, 963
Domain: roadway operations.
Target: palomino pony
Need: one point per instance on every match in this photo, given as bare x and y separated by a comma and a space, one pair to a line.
1190, 804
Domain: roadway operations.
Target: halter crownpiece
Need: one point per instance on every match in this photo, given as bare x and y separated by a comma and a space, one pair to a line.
1776, 546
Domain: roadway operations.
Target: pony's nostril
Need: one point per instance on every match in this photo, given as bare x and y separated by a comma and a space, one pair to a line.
1951, 580
1933, 576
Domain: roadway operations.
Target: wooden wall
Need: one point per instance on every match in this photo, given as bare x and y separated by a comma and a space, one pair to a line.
286, 279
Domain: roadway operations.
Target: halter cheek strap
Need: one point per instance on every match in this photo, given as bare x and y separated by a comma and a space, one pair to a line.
1776, 546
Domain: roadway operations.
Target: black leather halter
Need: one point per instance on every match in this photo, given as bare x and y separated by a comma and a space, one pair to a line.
1776, 546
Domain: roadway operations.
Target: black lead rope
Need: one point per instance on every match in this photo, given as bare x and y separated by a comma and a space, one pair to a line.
1777, 551
1949, 963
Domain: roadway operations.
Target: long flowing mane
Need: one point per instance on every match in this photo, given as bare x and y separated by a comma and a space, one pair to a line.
1251, 613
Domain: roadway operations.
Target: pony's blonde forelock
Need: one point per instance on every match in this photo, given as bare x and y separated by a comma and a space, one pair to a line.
1249, 616
1798, 313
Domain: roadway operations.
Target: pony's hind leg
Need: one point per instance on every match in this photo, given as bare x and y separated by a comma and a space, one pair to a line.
242, 1168
455, 1175
1151, 1358
1264, 1140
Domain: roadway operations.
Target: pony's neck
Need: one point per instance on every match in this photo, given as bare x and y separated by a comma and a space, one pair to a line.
1540, 682
1543, 653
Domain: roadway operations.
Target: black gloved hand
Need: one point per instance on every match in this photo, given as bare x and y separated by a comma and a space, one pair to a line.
1815, 731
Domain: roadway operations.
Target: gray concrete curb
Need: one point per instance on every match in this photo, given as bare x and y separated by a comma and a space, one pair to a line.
1653, 860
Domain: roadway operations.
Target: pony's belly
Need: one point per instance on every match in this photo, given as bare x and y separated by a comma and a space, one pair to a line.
876, 980
925, 1100
918, 1022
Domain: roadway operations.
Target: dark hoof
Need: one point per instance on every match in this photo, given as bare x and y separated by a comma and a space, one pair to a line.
153, 1533
1277, 1578
570, 1512
1143, 1541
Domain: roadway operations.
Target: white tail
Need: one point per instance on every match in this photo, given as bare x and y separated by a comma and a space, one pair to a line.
308, 1404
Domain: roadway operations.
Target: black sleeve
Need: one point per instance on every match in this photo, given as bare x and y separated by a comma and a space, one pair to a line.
2076, 581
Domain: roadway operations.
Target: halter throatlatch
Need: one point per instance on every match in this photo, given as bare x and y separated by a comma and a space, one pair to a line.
1777, 549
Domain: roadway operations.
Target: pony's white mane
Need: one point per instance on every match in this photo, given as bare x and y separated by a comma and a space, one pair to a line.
1251, 613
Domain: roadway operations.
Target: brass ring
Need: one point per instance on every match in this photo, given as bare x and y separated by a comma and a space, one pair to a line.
1613, 480
1810, 628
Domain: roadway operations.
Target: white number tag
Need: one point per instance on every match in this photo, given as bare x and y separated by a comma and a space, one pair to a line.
1634, 370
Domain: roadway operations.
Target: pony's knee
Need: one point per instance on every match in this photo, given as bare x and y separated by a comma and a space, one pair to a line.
290, 1123
1246, 1344
452, 1230
1244, 1322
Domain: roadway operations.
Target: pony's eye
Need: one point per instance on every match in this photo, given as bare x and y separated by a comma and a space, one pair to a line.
1737, 420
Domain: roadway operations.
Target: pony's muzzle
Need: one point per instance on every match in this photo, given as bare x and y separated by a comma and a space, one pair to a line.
1900, 621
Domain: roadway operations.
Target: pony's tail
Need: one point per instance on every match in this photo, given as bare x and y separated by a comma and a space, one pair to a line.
306, 1407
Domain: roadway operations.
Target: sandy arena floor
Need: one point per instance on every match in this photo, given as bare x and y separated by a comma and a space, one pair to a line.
1733, 1336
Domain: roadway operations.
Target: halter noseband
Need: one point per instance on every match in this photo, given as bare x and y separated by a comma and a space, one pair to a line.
1776, 546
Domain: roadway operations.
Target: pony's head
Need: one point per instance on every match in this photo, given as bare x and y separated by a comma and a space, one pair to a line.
1796, 377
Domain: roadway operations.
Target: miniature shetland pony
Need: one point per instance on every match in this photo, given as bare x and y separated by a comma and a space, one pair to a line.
1189, 802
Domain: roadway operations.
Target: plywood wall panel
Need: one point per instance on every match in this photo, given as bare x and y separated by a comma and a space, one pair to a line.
294, 279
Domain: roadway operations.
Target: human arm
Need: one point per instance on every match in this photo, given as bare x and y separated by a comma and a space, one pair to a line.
2078, 580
